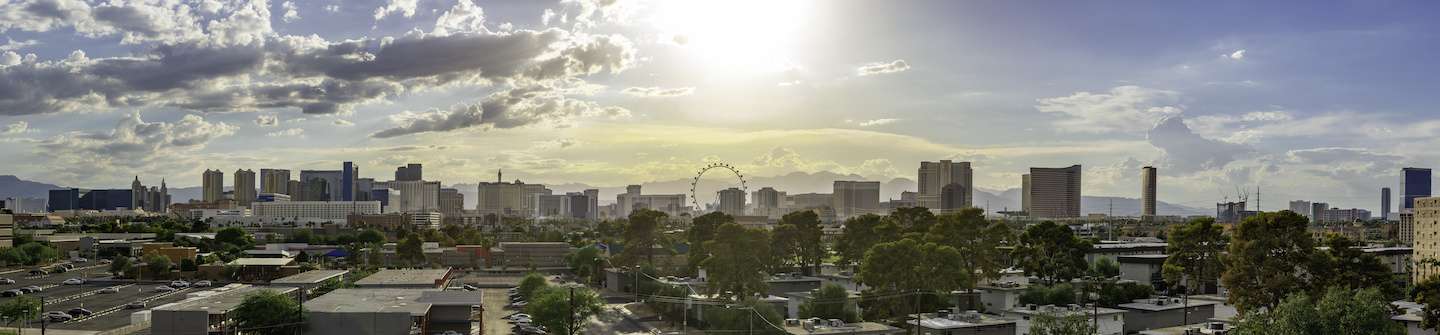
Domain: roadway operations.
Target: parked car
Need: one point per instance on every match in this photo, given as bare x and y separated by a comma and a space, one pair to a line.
79, 260
57, 317
7, 281
79, 312
518, 304
74, 281
164, 289
59, 269
528, 330
32, 289
135, 305
179, 284
109, 290
517, 315
67, 266
521, 320
105, 261
203, 283
469, 287
39, 272
12, 293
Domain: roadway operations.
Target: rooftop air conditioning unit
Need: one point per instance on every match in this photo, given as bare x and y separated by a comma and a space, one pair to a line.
837, 323
792, 322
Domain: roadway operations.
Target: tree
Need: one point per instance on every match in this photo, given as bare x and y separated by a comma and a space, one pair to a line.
1105, 267
1342, 264
809, 252
38, 253
234, 236
586, 263
1267, 258
702, 229
411, 250
642, 235
14, 256
533, 282
1427, 293
370, 236
912, 220
551, 307
831, 301
269, 312
1056, 324
1339, 311
736, 266
750, 316
784, 246
1058, 294
188, 265
120, 266
909, 267
1195, 250
975, 237
157, 265
1051, 252
20, 309
861, 233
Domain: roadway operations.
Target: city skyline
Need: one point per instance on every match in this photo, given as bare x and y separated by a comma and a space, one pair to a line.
1250, 103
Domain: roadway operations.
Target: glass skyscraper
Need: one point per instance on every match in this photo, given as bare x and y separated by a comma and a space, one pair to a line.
1414, 183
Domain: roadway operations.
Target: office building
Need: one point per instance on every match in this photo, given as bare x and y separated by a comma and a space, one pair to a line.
363, 187
451, 202
952, 198
275, 181
509, 198
1055, 192
593, 196
211, 312
322, 185
244, 187
1317, 211
415, 195
300, 211
767, 198
213, 186
1407, 227
1336, 215
1385, 203
1426, 234
568, 206
632, 199
293, 188
1148, 184
856, 198
1414, 183
25, 205
349, 172
934, 176
1025, 193
409, 172
1301, 207
732, 201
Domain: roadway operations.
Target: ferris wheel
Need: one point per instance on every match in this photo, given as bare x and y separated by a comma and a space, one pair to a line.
721, 168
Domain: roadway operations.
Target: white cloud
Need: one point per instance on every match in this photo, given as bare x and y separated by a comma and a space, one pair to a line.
17, 127
267, 120
133, 145
332, 8
465, 16
292, 13
877, 122
896, 66
342, 123
13, 45
512, 108
292, 132
658, 92
1187, 152
1125, 109
1237, 55
405, 8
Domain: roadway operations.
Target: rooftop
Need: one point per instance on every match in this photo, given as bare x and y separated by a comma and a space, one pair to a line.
405, 277
1131, 245
849, 328
969, 319
1072, 309
416, 302
310, 277
262, 261
1164, 304
220, 300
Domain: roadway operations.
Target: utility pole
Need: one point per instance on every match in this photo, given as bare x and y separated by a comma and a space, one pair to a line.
571, 316
916, 308
43, 320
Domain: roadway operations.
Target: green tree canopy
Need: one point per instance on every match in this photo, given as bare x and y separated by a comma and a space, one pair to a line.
748, 317
831, 301
1427, 292
370, 236
975, 237
908, 267
912, 221
1068, 324
234, 236
157, 265
861, 233
533, 282
1051, 252
1344, 264
411, 250
551, 307
1267, 257
120, 266
808, 251
20, 309
1339, 311
269, 312
736, 266
643, 234
1195, 251
702, 229
1105, 267
587, 263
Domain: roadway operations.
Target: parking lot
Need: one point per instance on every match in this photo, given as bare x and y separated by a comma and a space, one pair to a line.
109, 308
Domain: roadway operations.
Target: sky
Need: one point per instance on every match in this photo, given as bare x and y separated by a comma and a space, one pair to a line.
1299, 99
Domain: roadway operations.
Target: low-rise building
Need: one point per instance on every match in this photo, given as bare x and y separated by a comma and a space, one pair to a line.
406, 278
1114, 249
308, 281
815, 326
263, 269
1110, 321
1144, 269
531, 254
1163, 312
206, 313
963, 323
394, 311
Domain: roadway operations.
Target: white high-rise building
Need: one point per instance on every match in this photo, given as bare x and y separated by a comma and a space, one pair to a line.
416, 196
732, 201
1301, 207
300, 211
672, 204
275, 181
244, 187
934, 176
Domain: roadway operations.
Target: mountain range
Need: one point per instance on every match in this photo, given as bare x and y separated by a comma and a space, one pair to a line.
792, 183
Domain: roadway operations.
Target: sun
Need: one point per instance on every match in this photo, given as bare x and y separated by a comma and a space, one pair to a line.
736, 35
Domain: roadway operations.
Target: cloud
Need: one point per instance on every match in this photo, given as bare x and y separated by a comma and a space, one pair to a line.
511, 108
464, 16
1337, 155
12, 45
292, 13
292, 132
896, 66
405, 8
135, 22
17, 127
267, 120
877, 122
1122, 109
1187, 152
1237, 55
133, 145
658, 92
342, 123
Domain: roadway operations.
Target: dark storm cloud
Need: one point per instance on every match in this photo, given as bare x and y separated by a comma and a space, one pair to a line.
506, 109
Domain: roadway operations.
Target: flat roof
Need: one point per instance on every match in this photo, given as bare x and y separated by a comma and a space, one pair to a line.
944, 323
1132, 245
416, 302
1169, 304
262, 261
850, 328
310, 277
221, 300
1086, 310
404, 277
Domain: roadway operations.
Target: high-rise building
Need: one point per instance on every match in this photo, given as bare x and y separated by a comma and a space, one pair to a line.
766, 198
1426, 211
934, 176
415, 195
509, 198
244, 187
952, 198
275, 181
1407, 228
452, 202
732, 201
1301, 207
1025, 193
1414, 183
1385, 203
1336, 215
856, 198
213, 186
332, 179
349, 172
1317, 211
1055, 192
593, 198
292, 188
409, 172
1148, 183
632, 199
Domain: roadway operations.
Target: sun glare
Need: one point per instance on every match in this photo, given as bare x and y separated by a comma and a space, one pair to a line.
735, 35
